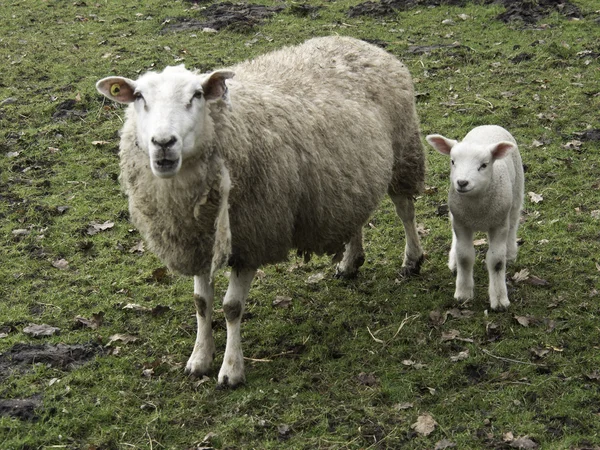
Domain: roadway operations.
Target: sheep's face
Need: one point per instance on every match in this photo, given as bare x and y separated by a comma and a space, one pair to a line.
171, 112
471, 165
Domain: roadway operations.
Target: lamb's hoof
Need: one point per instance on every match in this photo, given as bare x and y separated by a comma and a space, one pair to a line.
345, 274
224, 384
412, 268
501, 305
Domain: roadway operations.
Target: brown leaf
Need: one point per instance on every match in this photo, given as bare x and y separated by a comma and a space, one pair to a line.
460, 313
367, 379
520, 276
61, 264
436, 318
524, 442
460, 357
524, 320
453, 335
424, 425
536, 281
159, 310
124, 338
40, 330
402, 406
94, 323
539, 352
282, 302
137, 248
135, 307
95, 227
443, 444
159, 275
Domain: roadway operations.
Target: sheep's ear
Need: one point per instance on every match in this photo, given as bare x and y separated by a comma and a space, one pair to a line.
214, 86
118, 89
440, 143
502, 149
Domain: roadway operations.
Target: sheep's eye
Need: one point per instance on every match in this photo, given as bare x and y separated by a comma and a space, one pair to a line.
138, 96
198, 94
452, 161
483, 166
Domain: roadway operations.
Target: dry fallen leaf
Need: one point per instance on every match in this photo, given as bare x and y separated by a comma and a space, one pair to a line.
282, 302
424, 425
402, 406
535, 198
137, 248
524, 442
135, 307
124, 338
40, 330
460, 357
314, 279
523, 320
479, 242
97, 143
95, 227
61, 264
93, 323
367, 379
520, 276
444, 444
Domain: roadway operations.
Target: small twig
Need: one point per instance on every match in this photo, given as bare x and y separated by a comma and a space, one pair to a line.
269, 360
379, 341
404, 322
516, 361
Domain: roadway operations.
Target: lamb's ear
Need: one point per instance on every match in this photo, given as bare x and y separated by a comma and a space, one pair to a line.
502, 149
118, 89
214, 86
440, 143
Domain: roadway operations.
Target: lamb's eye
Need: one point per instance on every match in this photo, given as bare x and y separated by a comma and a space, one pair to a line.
483, 166
198, 94
452, 161
138, 95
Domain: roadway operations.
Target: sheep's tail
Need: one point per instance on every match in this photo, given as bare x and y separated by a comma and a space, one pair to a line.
222, 245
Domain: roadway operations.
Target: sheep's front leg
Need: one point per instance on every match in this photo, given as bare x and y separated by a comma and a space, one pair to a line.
232, 370
496, 265
204, 348
452, 256
413, 252
465, 259
354, 257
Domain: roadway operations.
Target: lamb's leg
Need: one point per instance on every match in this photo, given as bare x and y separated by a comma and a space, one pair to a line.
204, 348
496, 265
232, 370
512, 247
354, 257
452, 256
465, 259
413, 252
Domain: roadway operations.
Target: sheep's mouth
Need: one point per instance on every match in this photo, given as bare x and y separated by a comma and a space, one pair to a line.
463, 190
165, 168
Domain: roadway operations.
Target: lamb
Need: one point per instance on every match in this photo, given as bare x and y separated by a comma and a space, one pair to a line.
295, 152
486, 194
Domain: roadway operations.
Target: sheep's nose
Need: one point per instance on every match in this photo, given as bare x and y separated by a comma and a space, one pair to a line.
164, 142
462, 183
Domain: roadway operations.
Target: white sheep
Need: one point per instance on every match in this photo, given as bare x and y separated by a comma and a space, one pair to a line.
296, 151
486, 194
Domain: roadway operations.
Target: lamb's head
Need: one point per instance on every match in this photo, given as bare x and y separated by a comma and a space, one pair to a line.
472, 164
171, 111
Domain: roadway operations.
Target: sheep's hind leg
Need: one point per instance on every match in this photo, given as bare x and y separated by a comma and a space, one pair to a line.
232, 370
496, 265
204, 348
413, 252
354, 257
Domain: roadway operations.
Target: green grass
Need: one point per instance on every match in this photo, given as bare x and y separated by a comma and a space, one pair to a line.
303, 386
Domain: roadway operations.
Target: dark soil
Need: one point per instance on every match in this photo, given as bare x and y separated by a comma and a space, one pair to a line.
60, 356
24, 409
21, 358
526, 11
237, 16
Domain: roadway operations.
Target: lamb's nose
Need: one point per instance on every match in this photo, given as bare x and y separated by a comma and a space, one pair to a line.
462, 183
164, 142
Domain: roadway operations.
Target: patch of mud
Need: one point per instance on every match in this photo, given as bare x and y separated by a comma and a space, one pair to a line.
61, 356
23, 409
236, 16
589, 135
527, 11
68, 110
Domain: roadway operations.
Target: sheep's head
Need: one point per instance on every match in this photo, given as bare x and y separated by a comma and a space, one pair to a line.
171, 107
471, 164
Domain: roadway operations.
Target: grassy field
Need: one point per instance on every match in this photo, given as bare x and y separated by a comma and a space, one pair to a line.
376, 362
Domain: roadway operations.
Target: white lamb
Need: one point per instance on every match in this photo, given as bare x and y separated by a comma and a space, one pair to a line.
486, 194
296, 151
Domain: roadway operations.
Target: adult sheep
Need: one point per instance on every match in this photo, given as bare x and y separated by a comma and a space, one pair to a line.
296, 151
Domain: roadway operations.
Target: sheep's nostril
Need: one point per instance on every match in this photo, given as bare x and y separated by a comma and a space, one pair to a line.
164, 142
462, 183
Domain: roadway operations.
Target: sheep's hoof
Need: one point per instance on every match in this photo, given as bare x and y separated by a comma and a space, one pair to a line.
501, 305
412, 268
226, 384
345, 274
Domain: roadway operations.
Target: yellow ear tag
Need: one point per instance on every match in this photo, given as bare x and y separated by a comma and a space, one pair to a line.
115, 89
